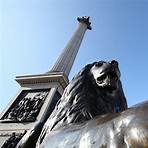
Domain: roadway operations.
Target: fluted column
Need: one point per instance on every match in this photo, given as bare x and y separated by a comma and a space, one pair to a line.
66, 59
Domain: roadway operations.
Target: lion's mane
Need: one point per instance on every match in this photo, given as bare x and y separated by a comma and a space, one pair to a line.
82, 100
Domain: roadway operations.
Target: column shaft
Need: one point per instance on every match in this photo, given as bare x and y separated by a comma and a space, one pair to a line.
66, 59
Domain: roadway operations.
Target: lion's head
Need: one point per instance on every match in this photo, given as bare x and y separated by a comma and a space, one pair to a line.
95, 90
106, 74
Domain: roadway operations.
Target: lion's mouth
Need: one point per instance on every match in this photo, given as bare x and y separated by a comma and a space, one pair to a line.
108, 80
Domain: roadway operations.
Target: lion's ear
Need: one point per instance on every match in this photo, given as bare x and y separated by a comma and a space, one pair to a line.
86, 69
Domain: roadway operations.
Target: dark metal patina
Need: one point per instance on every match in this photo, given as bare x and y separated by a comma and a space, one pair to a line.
128, 129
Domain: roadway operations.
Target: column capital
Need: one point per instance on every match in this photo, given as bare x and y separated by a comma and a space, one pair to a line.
85, 19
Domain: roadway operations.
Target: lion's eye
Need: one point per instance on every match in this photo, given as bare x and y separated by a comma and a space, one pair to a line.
113, 75
99, 64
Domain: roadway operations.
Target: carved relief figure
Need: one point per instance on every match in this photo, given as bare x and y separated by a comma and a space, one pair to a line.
12, 141
28, 108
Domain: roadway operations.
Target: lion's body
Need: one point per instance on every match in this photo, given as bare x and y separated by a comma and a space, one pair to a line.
128, 129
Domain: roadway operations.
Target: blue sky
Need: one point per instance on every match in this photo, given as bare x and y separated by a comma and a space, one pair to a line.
33, 33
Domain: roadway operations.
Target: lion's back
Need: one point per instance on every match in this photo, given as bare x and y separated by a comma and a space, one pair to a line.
125, 129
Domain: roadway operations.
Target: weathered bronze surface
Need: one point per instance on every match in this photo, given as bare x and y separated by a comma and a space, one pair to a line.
128, 129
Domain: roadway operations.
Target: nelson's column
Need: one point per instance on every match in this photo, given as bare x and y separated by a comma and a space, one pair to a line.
39, 94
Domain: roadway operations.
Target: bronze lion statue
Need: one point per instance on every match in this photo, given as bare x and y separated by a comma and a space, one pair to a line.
95, 90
